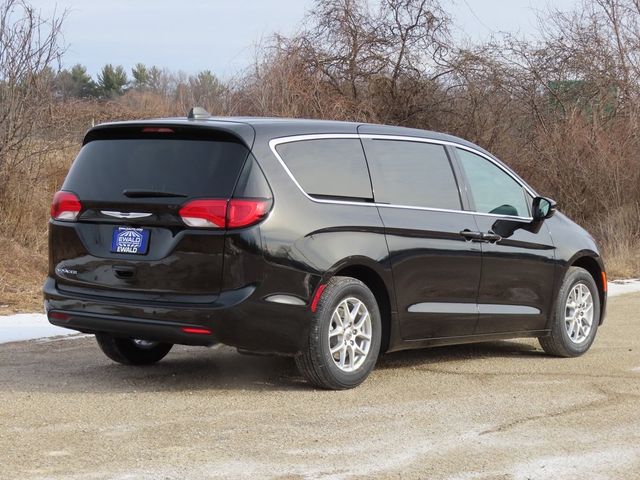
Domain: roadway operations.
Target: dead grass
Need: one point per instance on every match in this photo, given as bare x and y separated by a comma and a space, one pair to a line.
618, 232
22, 272
24, 214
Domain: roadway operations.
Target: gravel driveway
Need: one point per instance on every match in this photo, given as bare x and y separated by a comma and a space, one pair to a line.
500, 410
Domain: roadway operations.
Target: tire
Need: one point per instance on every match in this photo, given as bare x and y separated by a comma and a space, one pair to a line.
563, 338
317, 364
132, 352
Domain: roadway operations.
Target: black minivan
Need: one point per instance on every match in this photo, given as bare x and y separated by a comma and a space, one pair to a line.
331, 242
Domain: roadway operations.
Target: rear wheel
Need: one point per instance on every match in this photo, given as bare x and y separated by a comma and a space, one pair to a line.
576, 316
129, 351
345, 336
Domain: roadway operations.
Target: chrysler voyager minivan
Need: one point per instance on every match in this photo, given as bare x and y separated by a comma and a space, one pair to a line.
331, 242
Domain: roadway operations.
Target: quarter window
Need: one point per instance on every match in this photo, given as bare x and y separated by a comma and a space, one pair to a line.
493, 190
412, 173
329, 168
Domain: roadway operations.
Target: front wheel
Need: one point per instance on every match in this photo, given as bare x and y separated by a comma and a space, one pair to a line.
130, 351
345, 336
576, 316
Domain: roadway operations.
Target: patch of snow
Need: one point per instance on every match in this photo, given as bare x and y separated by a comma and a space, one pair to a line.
620, 287
28, 326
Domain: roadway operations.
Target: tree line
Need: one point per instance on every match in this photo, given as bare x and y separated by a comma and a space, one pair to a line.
113, 81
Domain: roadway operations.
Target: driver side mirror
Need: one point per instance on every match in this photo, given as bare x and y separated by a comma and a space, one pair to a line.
543, 208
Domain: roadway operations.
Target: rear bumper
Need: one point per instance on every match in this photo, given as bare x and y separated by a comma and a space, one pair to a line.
239, 318
170, 332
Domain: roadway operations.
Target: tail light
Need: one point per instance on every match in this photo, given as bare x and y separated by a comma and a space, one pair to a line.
234, 213
65, 206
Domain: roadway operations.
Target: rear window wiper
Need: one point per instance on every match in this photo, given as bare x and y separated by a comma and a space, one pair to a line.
150, 194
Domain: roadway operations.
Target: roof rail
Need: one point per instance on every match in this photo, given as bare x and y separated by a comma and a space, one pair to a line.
197, 112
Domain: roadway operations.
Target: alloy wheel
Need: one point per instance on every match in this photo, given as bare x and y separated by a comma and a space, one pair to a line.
350, 334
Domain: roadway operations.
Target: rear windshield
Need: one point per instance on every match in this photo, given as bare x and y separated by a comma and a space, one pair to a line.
195, 168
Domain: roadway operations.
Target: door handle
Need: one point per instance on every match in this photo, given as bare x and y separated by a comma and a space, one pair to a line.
491, 237
473, 236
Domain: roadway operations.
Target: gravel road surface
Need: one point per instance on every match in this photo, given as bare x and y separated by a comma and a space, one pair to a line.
492, 411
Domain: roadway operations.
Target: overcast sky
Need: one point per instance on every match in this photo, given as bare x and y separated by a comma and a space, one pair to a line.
221, 35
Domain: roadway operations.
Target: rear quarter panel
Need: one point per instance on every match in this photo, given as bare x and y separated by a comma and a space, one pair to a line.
305, 241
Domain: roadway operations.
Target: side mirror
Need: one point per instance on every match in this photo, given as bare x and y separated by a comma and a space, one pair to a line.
543, 208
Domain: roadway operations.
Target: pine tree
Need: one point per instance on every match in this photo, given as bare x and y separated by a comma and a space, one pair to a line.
141, 78
112, 81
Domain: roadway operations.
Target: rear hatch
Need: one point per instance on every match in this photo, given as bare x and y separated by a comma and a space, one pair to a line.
130, 233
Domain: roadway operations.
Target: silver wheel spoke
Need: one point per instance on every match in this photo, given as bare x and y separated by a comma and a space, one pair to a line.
343, 357
337, 318
353, 314
359, 350
363, 335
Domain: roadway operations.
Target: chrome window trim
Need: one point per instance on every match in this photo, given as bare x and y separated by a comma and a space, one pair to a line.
273, 143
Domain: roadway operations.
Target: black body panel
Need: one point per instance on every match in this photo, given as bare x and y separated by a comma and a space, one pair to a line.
517, 283
436, 271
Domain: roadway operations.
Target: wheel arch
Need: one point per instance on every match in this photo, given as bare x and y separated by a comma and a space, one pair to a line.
594, 266
381, 291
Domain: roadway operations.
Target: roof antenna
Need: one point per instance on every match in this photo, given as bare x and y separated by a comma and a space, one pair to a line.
197, 112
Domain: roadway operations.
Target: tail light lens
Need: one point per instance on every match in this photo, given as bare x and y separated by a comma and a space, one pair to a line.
234, 213
65, 206
204, 213
242, 213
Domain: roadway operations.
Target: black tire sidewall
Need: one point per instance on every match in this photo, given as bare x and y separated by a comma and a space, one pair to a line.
343, 290
124, 350
573, 277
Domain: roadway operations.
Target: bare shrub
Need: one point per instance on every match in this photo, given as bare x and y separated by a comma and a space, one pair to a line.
619, 232
29, 47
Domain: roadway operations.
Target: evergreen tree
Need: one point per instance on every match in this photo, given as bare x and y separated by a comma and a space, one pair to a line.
74, 83
141, 78
112, 80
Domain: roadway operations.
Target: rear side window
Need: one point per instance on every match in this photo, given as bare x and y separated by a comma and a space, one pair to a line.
412, 173
328, 168
194, 168
493, 190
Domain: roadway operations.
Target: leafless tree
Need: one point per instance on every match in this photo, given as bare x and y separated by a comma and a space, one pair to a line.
29, 48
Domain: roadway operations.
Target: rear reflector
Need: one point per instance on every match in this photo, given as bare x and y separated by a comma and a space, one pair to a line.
65, 206
58, 316
196, 331
316, 298
216, 213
